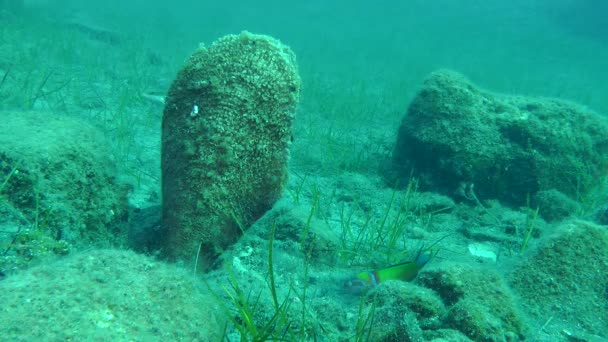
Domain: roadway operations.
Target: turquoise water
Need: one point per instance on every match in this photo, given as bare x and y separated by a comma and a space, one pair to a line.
511, 203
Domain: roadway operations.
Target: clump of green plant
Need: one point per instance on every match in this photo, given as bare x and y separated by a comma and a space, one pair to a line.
365, 321
383, 239
530, 227
262, 315
245, 309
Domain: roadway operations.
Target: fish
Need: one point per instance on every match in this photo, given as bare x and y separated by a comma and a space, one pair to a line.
404, 271
154, 98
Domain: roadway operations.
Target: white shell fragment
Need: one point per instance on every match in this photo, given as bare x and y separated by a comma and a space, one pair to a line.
194, 111
482, 251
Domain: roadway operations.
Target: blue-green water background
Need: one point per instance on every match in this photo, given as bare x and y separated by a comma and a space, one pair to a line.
378, 52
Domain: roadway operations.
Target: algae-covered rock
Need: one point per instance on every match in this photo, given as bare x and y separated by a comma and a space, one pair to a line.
403, 310
566, 277
479, 303
107, 295
554, 205
225, 137
508, 147
58, 187
401, 296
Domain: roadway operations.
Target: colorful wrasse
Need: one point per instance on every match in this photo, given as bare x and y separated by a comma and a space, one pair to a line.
405, 271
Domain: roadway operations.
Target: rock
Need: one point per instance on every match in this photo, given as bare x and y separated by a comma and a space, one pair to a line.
566, 277
400, 296
554, 205
478, 302
508, 147
107, 295
58, 183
